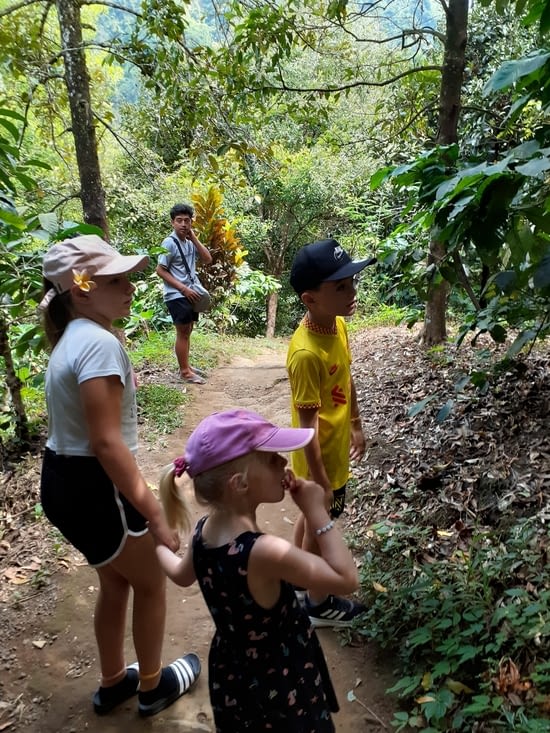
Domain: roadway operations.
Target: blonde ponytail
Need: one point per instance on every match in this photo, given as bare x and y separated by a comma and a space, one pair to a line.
175, 507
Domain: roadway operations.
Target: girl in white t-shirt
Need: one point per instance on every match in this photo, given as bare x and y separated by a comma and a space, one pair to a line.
91, 487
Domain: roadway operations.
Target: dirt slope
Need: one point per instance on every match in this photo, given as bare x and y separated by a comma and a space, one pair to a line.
48, 667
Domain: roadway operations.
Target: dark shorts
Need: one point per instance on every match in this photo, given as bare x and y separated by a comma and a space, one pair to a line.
181, 311
338, 502
81, 501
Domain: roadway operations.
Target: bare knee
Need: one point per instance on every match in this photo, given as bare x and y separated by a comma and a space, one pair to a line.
140, 568
183, 330
112, 584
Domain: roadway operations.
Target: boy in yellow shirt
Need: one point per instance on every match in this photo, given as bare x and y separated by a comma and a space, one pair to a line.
323, 394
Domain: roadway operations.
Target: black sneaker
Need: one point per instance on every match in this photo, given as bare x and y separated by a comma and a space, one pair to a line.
333, 611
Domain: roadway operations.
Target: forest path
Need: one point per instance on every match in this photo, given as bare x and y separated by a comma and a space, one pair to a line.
53, 681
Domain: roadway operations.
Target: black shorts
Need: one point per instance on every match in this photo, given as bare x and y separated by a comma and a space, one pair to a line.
81, 501
181, 311
338, 502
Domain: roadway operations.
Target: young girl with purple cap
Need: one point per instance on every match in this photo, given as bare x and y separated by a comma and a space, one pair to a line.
267, 671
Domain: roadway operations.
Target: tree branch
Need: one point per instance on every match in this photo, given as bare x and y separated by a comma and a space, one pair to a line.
463, 279
114, 5
124, 144
344, 87
17, 6
445, 7
25, 3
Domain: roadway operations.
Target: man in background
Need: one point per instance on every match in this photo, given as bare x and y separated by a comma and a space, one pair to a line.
176, 267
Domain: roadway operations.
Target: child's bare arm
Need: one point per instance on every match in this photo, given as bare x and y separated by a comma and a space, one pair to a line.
180, 570
274, 559
309, 419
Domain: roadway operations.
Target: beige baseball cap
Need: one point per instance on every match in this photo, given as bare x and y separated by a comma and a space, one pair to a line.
87, 254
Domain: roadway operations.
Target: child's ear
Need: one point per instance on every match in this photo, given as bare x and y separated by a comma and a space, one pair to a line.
238, 483
307, 298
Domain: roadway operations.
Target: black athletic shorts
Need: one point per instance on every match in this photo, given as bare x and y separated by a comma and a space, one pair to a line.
81, 501
338, 502
181, 311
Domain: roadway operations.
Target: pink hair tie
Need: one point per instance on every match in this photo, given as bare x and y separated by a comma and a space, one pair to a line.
180, 466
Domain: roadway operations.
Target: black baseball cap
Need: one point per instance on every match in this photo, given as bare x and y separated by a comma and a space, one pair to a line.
322, 261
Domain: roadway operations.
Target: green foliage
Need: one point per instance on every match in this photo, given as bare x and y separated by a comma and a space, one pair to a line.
493, 211
155, 349
246, 307
533, 11
488, 214
452, 620
20, 284
158, 407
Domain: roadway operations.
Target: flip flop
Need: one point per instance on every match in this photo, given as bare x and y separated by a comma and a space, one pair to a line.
194, 379
198, 371
175, 681
107, 698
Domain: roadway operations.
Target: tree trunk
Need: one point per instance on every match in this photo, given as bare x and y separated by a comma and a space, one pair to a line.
272, 303
77, 81
435, 327
13, 384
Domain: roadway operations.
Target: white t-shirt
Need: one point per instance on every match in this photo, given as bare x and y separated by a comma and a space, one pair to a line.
85, 350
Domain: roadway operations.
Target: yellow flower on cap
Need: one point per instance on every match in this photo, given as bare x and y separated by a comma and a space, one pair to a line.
82, 279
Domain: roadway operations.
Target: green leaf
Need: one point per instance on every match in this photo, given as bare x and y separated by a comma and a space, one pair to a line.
478, 379
511, 71
4, 112
534, 167
12, 218
419, 406
48, 222
10, 127
506, 280
468, 652
445, 411
442, 668
523, 338
379, 177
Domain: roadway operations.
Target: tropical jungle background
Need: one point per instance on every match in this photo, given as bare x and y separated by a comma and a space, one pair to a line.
414, 130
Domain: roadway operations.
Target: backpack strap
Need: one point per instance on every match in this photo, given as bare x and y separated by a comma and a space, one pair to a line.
178, 245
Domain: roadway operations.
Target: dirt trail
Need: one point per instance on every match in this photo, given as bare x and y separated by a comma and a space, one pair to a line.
52, 685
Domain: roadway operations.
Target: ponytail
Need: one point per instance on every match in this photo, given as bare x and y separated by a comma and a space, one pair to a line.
57, 314
175, 507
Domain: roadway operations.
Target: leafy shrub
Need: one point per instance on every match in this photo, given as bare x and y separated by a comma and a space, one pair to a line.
458, 624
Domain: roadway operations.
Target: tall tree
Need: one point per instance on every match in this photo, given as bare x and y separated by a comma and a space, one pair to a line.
452, 75
266, 37
77, 81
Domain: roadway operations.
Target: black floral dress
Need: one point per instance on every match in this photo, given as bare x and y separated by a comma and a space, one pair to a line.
266, 667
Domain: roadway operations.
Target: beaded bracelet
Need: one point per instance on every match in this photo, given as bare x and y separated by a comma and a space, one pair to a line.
325, 529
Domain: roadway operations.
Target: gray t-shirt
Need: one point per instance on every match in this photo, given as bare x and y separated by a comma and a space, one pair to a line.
85, 350
172, 261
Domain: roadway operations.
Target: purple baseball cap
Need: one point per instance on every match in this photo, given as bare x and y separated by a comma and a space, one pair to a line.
224, 436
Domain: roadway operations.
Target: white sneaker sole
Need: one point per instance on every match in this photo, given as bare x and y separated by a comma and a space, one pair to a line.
320, 623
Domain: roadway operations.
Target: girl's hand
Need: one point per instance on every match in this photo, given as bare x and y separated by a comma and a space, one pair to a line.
165, 535
307, 495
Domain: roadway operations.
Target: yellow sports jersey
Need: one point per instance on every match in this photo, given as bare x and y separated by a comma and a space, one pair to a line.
318, 365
